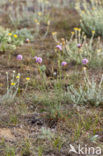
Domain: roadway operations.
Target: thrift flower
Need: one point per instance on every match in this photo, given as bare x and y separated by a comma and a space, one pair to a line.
85, 61
39, 60
79, 45
59, 47
19, 57
63, 63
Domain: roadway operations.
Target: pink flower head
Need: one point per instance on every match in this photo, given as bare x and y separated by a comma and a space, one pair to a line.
59, 47
63, 63
39, 60
79, 45
19, 57
85, 61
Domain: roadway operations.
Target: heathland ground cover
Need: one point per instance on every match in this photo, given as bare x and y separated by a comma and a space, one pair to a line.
51, 77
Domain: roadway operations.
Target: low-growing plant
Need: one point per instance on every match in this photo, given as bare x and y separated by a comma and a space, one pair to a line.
9, 151
79, 48
13, 119
46, 133
58, 143
89, 93
41, 71
12, 88
40, 151
78, 131
52, 103
3, 2
19, 14
9, 40
41, 19
62, 4
22, 14
25, 150
91, 16
25, 33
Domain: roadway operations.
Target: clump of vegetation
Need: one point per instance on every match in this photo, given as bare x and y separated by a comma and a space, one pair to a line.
9, 40
25, 33
79, 48
91, 16
48, 104
90, 92
12, 88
